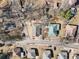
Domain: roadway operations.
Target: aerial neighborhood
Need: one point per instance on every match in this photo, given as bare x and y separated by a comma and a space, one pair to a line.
39, 29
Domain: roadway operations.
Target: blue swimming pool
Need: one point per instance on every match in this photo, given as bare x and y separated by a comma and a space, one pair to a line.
53, 29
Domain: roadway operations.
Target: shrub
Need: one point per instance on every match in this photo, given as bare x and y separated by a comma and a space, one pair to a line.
66, 14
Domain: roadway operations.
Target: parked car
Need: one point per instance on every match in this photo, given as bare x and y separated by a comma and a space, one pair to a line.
32, 53
63, 55
48, 54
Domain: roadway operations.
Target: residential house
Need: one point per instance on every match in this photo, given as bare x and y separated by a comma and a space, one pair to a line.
45, 30
71, 31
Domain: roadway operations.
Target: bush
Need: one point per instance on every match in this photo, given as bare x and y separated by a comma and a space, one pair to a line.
14, 37
8, 37
66, 14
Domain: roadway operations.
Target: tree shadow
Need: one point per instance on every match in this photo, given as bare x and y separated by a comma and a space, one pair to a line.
77, 3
